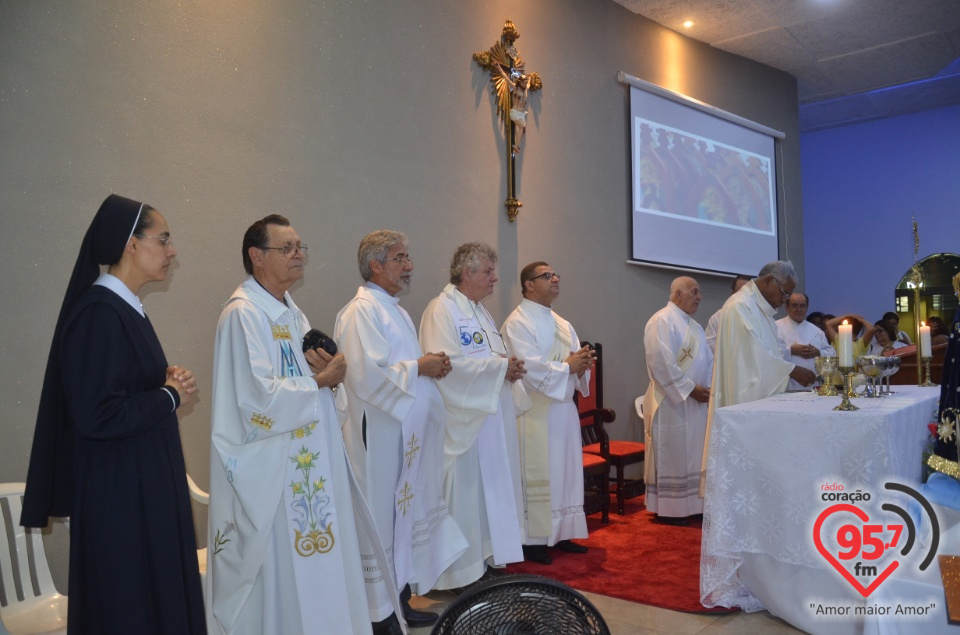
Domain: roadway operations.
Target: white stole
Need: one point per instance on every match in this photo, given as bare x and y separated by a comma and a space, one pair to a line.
534, 446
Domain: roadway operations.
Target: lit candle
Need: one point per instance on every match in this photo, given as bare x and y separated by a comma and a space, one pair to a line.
925, 345
845, 348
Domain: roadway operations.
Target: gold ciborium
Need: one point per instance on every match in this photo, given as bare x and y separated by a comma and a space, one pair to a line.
826, 368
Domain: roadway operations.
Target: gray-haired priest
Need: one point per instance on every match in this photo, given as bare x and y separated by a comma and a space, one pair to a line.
284, 556
680, 364
481, 470
550, 447
750, 362
395, 428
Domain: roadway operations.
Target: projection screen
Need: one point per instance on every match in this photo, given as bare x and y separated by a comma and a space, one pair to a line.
704, 185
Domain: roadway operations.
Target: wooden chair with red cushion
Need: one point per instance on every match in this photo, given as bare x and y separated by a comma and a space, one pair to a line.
596, 491
619, 454
596, 468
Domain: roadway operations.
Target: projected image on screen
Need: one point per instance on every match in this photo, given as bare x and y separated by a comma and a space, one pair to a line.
704, 188
732, 186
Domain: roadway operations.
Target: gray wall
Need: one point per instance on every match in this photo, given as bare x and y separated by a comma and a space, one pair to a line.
345, 117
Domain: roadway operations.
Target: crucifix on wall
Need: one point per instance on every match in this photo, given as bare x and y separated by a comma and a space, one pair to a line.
511, 87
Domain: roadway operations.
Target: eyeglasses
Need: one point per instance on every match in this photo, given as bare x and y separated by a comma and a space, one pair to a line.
782, 292
403, 260
286, 250
166, 242
547, 275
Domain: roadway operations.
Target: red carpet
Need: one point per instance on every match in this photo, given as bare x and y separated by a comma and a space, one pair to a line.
635, 559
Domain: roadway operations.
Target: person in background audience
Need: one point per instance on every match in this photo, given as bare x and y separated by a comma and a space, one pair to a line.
939, 331
884, 338
902, 336
816, 318
862, 332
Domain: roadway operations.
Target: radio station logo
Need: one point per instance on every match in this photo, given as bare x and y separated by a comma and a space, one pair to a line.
867, 549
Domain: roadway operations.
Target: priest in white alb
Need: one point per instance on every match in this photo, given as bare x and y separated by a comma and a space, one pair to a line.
680, 365
394, 431
803, 341
550, 448
285, 510
749, 361
482, 398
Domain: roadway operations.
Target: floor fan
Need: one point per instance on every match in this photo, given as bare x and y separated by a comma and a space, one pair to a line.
521, 604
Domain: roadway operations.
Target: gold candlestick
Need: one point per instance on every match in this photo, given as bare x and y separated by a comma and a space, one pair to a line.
847, 391
926, 365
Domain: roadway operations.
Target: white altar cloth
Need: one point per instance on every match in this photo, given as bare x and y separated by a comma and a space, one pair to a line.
767, 465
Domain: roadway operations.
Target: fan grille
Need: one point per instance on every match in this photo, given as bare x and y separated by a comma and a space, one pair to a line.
521, 604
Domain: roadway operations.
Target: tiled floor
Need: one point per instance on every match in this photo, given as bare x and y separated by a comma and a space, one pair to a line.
629, 618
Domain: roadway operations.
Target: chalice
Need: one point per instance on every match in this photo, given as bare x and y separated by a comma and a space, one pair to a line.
872, 367
826, 368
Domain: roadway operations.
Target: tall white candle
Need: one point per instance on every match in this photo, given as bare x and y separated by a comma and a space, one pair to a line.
845, 348
926, 349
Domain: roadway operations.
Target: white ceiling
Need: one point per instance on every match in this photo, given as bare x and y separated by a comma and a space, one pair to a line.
854, 60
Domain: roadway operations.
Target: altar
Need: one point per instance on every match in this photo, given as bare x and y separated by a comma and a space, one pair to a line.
773, 467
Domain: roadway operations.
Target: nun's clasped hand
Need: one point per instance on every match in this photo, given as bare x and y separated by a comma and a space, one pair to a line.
182, 380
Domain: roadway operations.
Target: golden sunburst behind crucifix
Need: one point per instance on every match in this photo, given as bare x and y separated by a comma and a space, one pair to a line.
511, 86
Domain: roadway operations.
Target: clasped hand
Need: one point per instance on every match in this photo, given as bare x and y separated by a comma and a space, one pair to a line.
806, 351
436, 365
329, 370
181, 380
700, 393
515, 369
581, 361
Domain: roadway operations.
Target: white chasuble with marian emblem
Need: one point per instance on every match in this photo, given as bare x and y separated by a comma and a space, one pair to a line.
285, 510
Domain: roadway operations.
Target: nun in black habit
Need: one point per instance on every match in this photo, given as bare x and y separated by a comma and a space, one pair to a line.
106, 451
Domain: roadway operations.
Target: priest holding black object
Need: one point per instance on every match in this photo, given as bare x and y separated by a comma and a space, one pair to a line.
285, 510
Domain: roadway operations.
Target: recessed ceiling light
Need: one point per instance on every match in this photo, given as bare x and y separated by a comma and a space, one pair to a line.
687, 24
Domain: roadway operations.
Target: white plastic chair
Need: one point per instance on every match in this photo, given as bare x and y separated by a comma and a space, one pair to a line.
29, 602
203, 498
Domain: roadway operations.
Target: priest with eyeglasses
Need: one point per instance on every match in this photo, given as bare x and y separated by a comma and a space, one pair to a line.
549, 432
